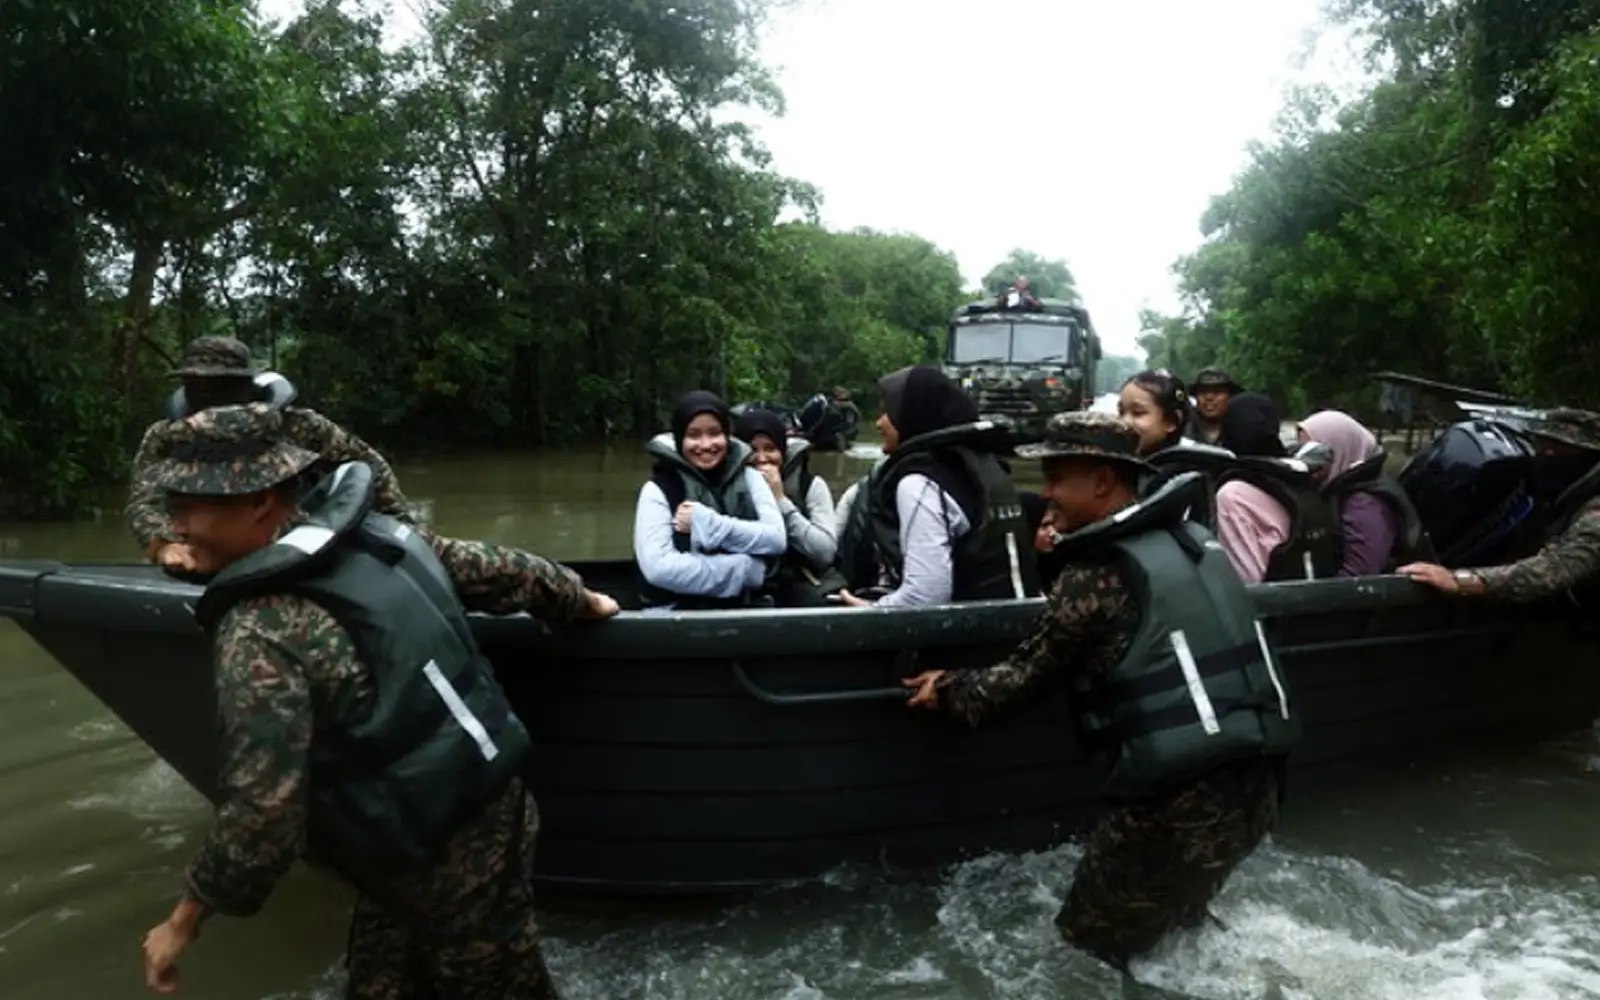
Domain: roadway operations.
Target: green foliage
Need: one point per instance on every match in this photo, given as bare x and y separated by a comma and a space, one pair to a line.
541, 222
1115, 369
1444, 223
1048, 279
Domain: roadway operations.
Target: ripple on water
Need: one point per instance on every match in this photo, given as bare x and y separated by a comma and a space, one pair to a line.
152, 792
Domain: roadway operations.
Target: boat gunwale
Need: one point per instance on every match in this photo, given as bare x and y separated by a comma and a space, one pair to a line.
60, 594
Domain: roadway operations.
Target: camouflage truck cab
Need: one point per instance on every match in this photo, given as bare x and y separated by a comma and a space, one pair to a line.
1026, 362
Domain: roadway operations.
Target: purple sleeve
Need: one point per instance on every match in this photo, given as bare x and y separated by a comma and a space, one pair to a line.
1370, 529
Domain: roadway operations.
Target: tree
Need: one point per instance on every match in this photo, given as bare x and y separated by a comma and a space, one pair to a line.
1050, 279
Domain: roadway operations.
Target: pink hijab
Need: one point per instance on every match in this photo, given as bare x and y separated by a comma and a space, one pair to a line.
1350, 442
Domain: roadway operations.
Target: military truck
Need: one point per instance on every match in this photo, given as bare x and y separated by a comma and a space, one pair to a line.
1023, 358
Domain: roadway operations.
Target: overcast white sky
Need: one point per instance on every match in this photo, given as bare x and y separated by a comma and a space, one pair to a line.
1080, 129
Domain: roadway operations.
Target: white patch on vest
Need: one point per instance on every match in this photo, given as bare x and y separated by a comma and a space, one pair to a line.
459, 709
1197, 687
401, 532
1297, 465
338, 477
1305, 560
1016, 565
1126, 512
1272, 671
308, 538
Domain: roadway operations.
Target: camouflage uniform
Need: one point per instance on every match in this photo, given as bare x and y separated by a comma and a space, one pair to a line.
289, 675
225, 357
1571, 557
1149, 865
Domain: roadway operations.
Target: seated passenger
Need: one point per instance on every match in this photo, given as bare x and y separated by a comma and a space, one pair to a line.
1379, 527
707, 531
1036, 511
1211, 390
1271, 518
806, 502
939, 518
1157, 405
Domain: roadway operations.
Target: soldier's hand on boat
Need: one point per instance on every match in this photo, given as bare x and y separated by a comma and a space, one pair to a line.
177, 557
926, 683
1433, 575
163, 946
682, 516
599, 605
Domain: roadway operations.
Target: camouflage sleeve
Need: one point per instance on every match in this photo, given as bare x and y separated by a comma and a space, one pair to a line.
499, 580
1087, 625
315, 432
146, 510
264, 704
1570, 558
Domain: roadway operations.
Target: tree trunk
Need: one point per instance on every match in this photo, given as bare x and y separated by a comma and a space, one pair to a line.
136, 312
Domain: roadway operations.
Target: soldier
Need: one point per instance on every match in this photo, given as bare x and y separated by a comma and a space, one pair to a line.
1571, 558
1171, 682
1211, 390
357, 716
218, 371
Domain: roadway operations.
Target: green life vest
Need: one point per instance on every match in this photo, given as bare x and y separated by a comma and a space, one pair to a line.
1198, 687
1413, 544
1189, 455
1314, 549
724, 490
797, 583
858, 554
440, 740
995, 558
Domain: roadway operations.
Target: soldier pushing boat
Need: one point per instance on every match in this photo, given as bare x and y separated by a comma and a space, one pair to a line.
218, 371
1570, 559
1172, 684
357, 715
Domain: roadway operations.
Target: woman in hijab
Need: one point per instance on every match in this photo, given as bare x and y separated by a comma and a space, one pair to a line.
707, 530
1250, 522
1371, 528
806, 504
1036, 511
941, 511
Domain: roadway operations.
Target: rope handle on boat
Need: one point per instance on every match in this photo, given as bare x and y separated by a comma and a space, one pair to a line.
819, 697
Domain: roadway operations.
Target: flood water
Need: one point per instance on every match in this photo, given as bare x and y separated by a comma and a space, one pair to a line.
1471, 878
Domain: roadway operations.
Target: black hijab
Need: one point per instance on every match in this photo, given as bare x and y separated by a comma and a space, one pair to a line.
758, 421
692, 405
922, 399
1250, 427
1035, 508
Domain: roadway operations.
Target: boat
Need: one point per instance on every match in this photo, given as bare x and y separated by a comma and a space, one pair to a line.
728, 751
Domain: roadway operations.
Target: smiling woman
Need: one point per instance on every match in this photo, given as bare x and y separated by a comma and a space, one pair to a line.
707, 530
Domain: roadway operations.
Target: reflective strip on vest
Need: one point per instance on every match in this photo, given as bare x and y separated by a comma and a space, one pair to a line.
1272, 671
1309, 567
458, 708
1016, 566
1197, 687
308, 538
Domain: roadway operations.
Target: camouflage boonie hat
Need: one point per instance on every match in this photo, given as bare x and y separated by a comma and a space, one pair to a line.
216, 356
1214, 378
1087, 434
1579, 428
229, 451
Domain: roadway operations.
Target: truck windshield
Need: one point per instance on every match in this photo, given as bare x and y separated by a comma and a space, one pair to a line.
1018, 343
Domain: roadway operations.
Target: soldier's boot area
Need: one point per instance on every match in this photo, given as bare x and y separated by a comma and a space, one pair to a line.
1150, 868
385, 962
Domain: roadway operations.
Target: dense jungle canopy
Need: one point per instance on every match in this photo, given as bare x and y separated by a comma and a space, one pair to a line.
1447, 223
535, 223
